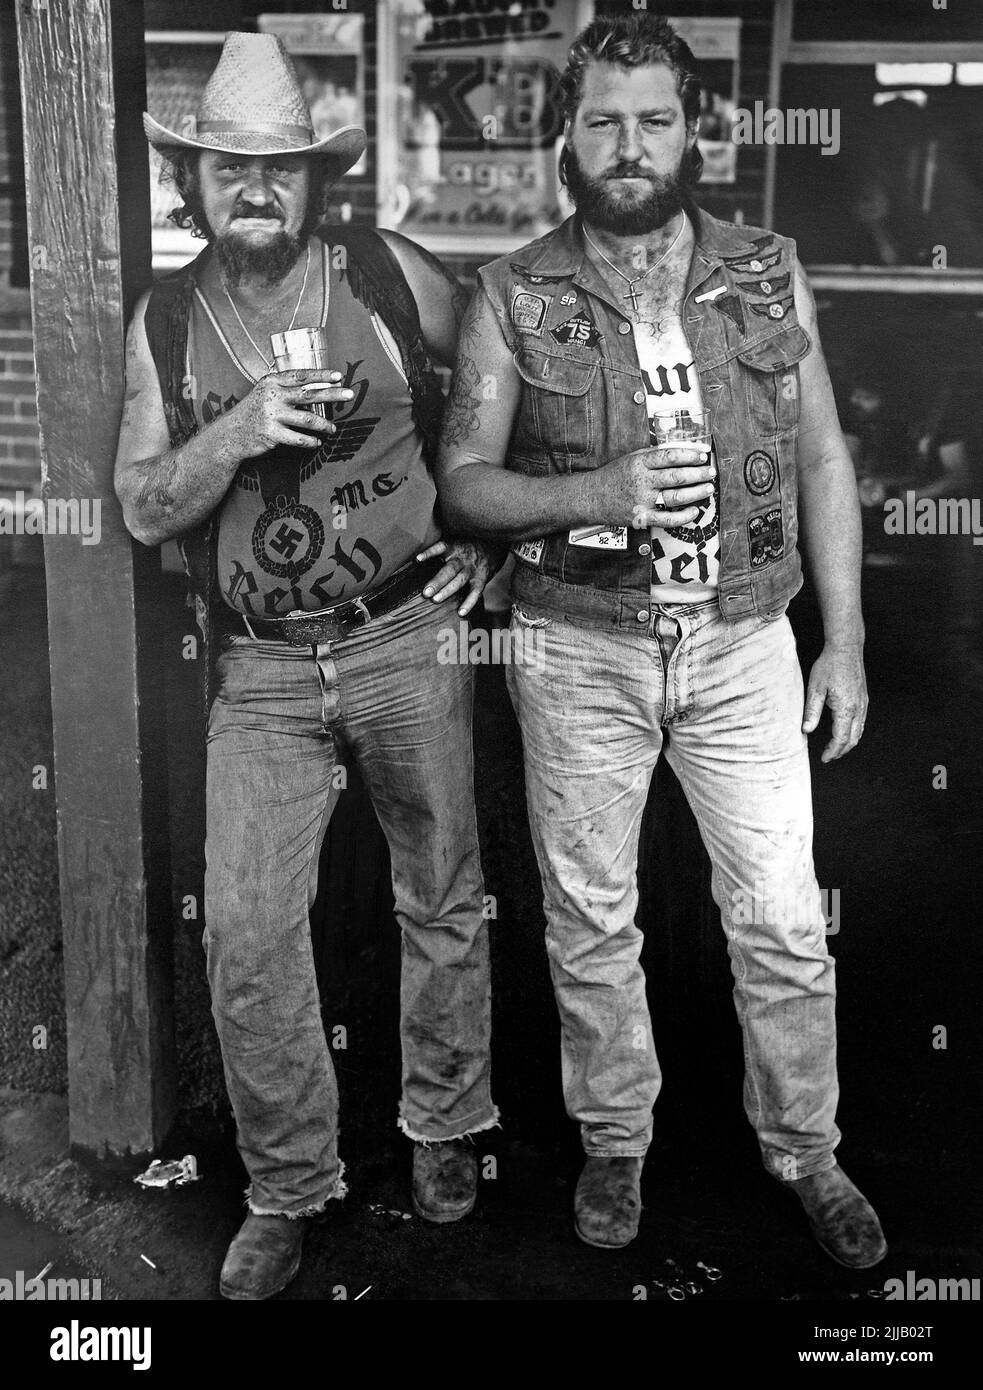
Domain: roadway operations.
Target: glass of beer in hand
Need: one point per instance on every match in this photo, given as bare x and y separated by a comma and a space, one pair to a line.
682, 435
305, 348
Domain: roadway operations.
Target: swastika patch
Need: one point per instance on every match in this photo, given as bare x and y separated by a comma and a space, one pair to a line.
776, 309
776, 285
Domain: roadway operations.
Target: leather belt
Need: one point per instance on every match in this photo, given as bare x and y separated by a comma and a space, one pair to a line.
303, 628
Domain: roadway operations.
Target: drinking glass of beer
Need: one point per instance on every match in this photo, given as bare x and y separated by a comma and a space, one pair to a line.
683, 434
305, 348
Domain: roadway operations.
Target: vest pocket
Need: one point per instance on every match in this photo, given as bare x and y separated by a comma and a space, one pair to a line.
773, 379
558, 402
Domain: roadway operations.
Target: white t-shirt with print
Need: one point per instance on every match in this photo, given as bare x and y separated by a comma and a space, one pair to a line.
685, 559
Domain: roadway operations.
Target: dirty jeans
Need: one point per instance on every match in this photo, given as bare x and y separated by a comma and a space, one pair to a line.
595, 714
276, 730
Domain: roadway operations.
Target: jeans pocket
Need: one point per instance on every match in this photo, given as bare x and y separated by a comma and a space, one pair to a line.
528, 636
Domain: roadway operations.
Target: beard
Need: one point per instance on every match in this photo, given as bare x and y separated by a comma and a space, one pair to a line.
271, 260
623, 212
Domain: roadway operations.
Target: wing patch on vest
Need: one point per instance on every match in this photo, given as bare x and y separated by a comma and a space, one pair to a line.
777, 309
534, 278
776, 285
580, 330
733, 307
753, 265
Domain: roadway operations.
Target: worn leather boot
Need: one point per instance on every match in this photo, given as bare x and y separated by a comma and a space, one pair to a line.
445, 1180
264, 1256
607, 1205
842, 1220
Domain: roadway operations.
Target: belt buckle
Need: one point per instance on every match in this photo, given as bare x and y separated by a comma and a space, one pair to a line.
302, 628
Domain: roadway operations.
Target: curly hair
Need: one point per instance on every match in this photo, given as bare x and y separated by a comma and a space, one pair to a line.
636, 40
180, 170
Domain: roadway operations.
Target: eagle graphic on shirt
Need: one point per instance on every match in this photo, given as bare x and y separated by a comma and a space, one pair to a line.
280, 473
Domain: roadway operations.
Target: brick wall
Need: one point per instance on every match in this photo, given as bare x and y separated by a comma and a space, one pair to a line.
19, 452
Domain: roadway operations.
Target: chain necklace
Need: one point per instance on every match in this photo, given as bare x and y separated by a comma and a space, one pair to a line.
632, 293
293, 316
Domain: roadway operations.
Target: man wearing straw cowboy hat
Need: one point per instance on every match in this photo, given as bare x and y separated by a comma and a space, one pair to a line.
314, 549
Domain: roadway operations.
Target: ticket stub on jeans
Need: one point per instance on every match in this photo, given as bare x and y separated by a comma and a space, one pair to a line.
608, 538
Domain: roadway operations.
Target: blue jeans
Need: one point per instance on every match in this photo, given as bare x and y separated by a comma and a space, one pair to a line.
277, 726
594, 718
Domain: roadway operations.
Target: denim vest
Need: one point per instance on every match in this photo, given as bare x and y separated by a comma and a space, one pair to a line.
583, 404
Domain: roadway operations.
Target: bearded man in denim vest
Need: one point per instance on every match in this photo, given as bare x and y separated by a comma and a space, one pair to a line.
655, 584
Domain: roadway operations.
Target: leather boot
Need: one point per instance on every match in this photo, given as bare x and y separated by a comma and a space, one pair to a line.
607, 1205
842, 1220
264, 1256
445, 1180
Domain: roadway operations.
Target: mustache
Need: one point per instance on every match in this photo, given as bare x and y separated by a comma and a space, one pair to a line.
244, 210
630, 171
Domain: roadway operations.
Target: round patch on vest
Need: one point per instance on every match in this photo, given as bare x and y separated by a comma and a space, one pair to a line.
288, 539
759, 473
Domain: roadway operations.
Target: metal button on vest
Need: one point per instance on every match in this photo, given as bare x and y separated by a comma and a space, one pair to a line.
645, 550
642, 615
639, 397
624, 327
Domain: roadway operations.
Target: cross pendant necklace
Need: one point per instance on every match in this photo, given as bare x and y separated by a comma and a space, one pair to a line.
631, 293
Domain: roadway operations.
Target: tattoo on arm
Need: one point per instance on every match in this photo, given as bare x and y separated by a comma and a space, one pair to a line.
461, 412
470, 331
158, 478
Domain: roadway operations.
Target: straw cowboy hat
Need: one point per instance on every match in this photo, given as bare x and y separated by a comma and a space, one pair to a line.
253, 105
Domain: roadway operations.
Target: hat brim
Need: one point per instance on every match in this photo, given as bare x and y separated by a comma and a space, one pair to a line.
344, 146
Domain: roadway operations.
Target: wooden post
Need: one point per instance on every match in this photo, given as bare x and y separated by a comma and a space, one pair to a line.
83, 89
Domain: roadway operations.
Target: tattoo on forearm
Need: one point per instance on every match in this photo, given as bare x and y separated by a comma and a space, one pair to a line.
157, 482
461, 412
470, 334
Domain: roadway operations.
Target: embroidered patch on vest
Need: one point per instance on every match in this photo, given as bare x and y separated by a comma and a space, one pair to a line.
756, 265
775, 285
777, 309
755, 249
759, 473
733, 307
534, 278
529, 310
581, 329
765, 537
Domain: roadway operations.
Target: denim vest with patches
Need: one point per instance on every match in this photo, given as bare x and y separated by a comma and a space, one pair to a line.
583, 404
